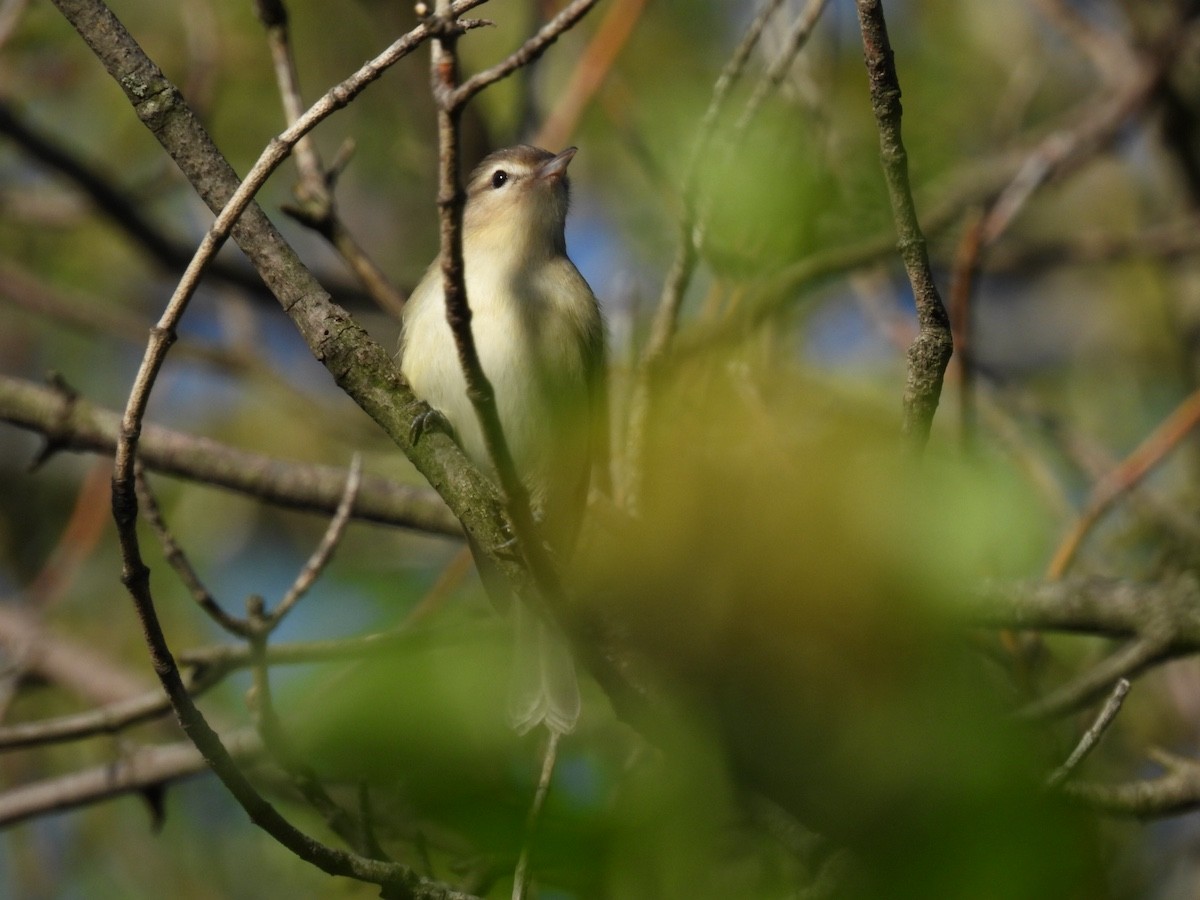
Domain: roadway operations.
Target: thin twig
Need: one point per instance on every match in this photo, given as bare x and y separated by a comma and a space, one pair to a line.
528, 52
521, 874
1155, 448
451, 205
930, 353
317, 207
770, 80
119, 207
679, 275
81, 668
1092, 736
1110, 56
274, 18
1129, 660
112, 718
324, 552
206, 667
177, 559
683, 264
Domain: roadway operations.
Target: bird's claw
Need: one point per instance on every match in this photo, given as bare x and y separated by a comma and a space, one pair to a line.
428, 419
507, 549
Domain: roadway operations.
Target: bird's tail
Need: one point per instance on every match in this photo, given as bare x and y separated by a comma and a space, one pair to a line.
544, 687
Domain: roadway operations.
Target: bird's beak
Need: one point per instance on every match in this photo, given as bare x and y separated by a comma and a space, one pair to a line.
557, 167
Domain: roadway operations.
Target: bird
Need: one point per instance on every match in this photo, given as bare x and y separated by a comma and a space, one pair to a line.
539, 334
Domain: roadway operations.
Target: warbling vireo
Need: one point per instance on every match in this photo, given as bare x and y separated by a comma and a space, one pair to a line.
540, 339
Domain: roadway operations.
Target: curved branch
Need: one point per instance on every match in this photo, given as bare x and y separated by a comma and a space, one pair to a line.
156, 100
1126, 662
1173, 793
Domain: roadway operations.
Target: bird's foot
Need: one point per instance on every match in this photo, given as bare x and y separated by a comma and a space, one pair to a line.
429, 419
507, 549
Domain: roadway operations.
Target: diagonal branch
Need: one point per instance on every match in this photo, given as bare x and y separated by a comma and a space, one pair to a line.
528, 52
1091, 737
324, 553
1166, 437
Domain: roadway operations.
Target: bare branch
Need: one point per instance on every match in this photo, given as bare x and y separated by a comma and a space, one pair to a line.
206, 667
320, 559
522, 873
119, 207
146, 768
112, 718
770, 80
1091, 737
1101, 606
930, 352
1165, 438
104, 33
70, 423
273, 16
457, 97
316, 206
1175, 792
1108, 54
178, 560
451, 204
78, 667
1129, 660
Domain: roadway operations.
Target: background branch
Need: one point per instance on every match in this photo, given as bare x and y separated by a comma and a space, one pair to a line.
148, 768
70, 423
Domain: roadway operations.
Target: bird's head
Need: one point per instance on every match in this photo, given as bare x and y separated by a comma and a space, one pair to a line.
518, 197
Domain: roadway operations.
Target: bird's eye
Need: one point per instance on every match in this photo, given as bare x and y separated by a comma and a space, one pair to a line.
499, 177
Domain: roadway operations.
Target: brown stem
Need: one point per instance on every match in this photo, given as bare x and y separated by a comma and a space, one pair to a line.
930, 353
